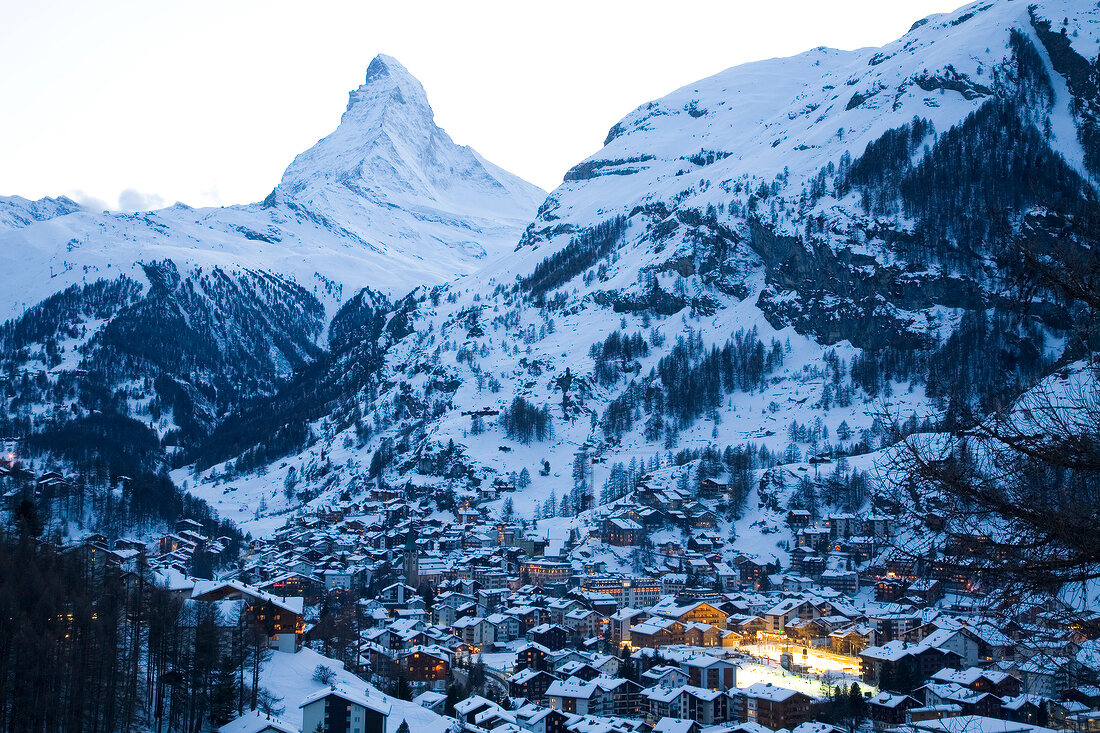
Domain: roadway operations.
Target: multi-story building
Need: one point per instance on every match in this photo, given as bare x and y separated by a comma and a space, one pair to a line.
543, 572
633, 592
773, 707
344, 711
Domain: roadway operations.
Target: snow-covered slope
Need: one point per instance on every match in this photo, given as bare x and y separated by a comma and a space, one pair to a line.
834, 207
748, 171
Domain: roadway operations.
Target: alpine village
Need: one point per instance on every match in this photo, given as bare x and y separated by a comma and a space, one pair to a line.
779, 414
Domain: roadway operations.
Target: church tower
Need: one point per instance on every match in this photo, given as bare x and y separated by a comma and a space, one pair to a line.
412, 562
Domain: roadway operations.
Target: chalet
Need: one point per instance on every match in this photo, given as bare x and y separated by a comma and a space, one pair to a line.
621, 622
1044, 675
528, 616
1001, 684
798, 556
889, 659
572, 696
51, 485
1067, 714
812, 565
425, 663
1030, 709
618, 697
863, 548
710, 672
840, 579
467, 515
752, 626
344, 579
892, 626
751, 572
656, 632
561, 606
699, 612
852, 639
583, 622
173, 542
622, 532
131, 544
926, 590
665, 676
397, 594
281, 618
704, 519
952, 636
712, 488
888, 590
1085, 694
538, 719
188, 525
888, 710
505, 627
344, 711
431, 700
696, 634
772, 707
258, 722
551, 636
471, 630
725, 575
816, 539
902, 566
532, 656
876, 525
702, 544
841, 526
798, 519
969, 702
530, 684
295, 585
805, 630
778, 616
662, 702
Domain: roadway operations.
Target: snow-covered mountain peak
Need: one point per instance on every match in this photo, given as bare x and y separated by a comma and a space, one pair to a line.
17, 212
388, 80
388, 150
386, 201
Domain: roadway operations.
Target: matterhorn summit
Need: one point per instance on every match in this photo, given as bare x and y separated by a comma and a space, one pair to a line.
391, 176
386, 201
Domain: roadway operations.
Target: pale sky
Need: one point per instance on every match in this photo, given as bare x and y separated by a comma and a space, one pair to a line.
152, 101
